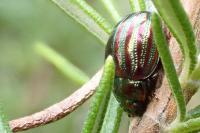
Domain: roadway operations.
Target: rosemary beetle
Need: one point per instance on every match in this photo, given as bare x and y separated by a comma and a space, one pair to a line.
137, 63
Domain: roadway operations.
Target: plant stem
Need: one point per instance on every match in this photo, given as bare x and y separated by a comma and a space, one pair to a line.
111, 9
60, 109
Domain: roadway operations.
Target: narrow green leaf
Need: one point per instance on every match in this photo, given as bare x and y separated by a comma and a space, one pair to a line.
168, 65
99, 104
194, 113
62, 64
176, 19
142, 5
113, 116
87, 17
185, 127
196, 73
132, 4
4, 127
137, 5
194, 80
111, 9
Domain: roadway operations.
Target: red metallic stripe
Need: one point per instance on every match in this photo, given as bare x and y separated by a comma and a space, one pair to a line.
127, 41
116, 51
139, 71
149, 48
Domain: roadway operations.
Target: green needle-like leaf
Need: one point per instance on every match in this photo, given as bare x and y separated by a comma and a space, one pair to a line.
65, 66
4, 127
132, 4
142, 5
137, 5
111, 9
194, 113
194, 81
113, 116
114, 112
196, 73
87, 17
176, 19
99, 104
190, 126
168, 65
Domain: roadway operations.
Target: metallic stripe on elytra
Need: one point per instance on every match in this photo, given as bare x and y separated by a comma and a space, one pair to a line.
133, 47
122, 42
114, 42
145, 41
152, 53
115, 33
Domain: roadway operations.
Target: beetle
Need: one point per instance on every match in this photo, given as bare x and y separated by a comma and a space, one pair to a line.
138, 68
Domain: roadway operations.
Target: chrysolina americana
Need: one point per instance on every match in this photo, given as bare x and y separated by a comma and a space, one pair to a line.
137, 63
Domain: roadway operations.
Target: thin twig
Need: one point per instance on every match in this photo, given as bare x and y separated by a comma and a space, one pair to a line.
58, 110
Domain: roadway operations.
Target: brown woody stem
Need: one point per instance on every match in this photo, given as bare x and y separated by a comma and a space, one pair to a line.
58, 110
162, 110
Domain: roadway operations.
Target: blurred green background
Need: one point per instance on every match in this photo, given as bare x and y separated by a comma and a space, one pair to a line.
28, 83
